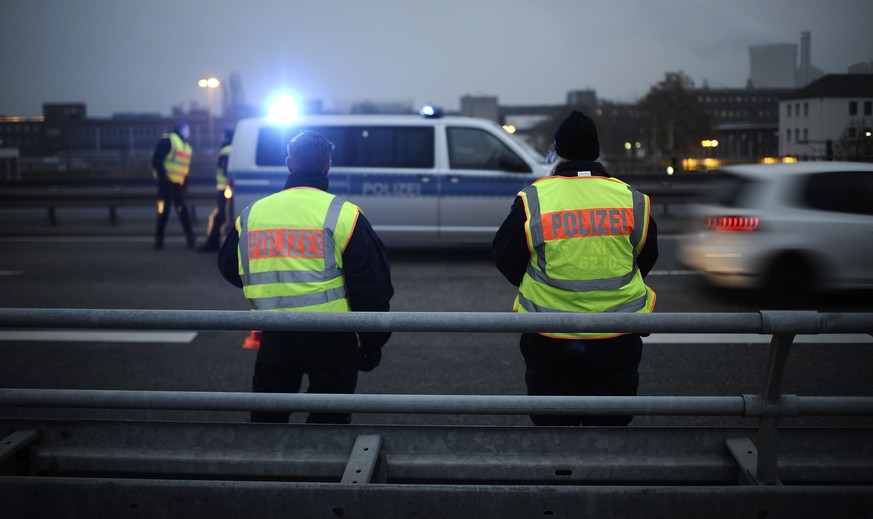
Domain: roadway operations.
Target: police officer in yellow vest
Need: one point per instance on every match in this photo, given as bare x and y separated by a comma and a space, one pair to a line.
219, 214
305, 250
171, 162
579, 241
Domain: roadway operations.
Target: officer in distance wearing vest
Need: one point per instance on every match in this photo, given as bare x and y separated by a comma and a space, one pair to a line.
579, 241
219, 214
171, 163
306, 250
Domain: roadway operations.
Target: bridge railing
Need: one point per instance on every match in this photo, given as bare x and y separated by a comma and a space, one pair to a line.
756, 461
113, 193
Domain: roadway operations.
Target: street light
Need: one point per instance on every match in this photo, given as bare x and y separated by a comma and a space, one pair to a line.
709, 145
210, 85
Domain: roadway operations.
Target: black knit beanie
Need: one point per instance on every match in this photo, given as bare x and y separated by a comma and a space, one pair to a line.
576, 138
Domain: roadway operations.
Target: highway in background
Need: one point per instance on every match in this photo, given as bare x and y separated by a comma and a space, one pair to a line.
87, 263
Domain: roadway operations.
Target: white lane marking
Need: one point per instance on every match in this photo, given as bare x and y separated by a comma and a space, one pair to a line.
753, 338
85, 239
97, 336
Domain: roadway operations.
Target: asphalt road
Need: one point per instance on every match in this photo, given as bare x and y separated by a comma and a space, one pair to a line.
86, 263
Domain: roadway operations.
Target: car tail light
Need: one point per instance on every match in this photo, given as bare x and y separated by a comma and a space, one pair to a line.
732, 223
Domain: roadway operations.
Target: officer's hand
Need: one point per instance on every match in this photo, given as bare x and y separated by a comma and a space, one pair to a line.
369, 359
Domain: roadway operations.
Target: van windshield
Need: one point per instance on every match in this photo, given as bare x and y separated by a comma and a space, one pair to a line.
356, 146
529, 150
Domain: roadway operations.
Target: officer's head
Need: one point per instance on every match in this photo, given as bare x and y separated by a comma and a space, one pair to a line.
576, 138
182, 129
308, 153
228, 135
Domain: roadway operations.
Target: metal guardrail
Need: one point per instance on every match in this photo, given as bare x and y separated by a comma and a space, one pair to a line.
115, 193
109, 197
834, 465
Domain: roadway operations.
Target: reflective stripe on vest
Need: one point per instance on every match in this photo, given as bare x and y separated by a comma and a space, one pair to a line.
221, 173
632, 306
595, 232
177, 163
292, 284
539, 273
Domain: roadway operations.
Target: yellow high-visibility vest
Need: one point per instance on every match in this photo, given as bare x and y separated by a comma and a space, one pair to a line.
177, 163
221, 172
584, 235
290, 251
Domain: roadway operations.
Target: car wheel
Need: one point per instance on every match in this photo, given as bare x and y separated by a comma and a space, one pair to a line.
790, 282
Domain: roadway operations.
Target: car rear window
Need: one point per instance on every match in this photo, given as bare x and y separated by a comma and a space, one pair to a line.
841, 192
730, 190
356, 146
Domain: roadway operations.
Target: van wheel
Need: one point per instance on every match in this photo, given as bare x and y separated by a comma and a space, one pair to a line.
790, 282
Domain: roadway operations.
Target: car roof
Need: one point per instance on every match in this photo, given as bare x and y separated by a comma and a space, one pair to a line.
794, 168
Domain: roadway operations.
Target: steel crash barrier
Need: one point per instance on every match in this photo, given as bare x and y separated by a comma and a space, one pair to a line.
53, 467
111, 197
114, 193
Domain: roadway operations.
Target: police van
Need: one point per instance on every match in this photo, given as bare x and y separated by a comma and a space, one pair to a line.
419, 180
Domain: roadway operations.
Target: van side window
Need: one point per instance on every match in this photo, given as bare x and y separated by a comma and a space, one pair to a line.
388, 147
472, 148
271, 145
357, 146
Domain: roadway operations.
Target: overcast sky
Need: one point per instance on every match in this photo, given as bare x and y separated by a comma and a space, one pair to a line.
147, 55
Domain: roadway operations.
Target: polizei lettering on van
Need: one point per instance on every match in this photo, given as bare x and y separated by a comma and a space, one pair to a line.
583, 223
391, 188
286, 243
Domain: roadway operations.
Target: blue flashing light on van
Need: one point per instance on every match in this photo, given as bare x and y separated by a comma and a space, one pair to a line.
431, 111
284, 109
420, 181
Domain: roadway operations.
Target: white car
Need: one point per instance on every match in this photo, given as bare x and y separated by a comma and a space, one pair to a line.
791, 230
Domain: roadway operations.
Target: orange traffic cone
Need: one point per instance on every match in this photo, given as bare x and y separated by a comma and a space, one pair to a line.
253, 341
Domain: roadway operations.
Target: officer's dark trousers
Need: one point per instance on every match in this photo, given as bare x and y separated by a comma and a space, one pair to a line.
216, 220
580, 368
329, 359
172, 195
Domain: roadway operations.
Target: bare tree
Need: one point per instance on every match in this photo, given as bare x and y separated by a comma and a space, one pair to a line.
856, 143
674, 117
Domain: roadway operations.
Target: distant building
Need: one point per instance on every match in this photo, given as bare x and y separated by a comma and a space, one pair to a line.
861, 67
64, 112
25, 135
65, 130
382, 107
745, 120
483, 107
772, 66
830, 118
582, 98
776, 65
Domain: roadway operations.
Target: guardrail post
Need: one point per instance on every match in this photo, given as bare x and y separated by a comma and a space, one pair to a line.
18, 453
771, 394
365, 464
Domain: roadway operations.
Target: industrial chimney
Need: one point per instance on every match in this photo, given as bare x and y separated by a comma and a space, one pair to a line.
803, 73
